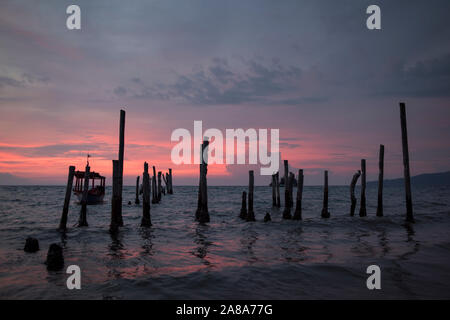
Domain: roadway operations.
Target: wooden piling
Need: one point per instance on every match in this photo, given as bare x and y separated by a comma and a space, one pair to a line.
274, 191
298, 205
63, 222
116, 200
291, 189
286, 184
136, 201
277, 179
362, 208
251, 181
159, 186
154, 192
202, 214
83, 213
146, 219
325, 212
352, 192
409, 207
243, 213
170, 190
380, 182
121, 157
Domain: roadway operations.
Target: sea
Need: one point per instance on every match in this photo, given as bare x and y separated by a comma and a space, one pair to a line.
228, 258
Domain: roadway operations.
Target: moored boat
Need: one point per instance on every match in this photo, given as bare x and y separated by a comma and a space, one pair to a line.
96, 191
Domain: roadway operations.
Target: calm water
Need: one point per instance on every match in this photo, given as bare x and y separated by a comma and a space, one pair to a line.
228, 258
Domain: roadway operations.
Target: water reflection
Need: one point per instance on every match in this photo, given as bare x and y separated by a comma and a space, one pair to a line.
248, 240
201, 251
146, 234
116, 248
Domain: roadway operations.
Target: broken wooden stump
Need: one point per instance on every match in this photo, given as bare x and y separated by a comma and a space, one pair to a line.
55, 257
406, 173
291, 189
136, 201
154, 192
352, 192
380, 182
31, 245
146, 219
362, 208
243, 213
267, 217
277, 179
159, 186
298, 205
82, 222
116, 200
63, 222
274, 191
325, 212
251, 181
170, 190
286, 184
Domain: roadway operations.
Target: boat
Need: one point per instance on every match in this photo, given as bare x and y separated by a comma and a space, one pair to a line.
96, 192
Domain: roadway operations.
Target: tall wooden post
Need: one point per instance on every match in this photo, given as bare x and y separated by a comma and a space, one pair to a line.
291, 189
202, 214
277, 179
362, 209
286, 184
298, 205
170, 191
274, 191
409, 207
63, 222
380, 182
154, 192
352, 192
136, 201
243, 214
146, 219
121, 157
83, 215
251, 181
325, 212
159, 186
116, 201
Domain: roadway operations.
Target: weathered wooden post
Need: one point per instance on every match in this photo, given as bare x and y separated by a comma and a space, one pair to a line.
159, 186
136, 201
83, 216
298, 205
274, 191
291, 189
362, 209
154, 192
121, 157
286, 184
63, 222
251, 181
325, 212
277, 179
170, 191
352, 192
146, 219
243, 214
202, 214
409, 207
380, 182
116, 201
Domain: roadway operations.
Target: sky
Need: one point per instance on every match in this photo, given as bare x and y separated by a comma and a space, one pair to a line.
308, 68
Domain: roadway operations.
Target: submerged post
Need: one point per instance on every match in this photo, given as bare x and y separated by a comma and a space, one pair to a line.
277, 179
170, 191
146, 219
83, 219
409, 208
136, 201
274, 191
380, 182
243, 214
202, 214
116, 200
63, 222
121, 157
251, 181
362, 209
352, 192
298, 205
325, 212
